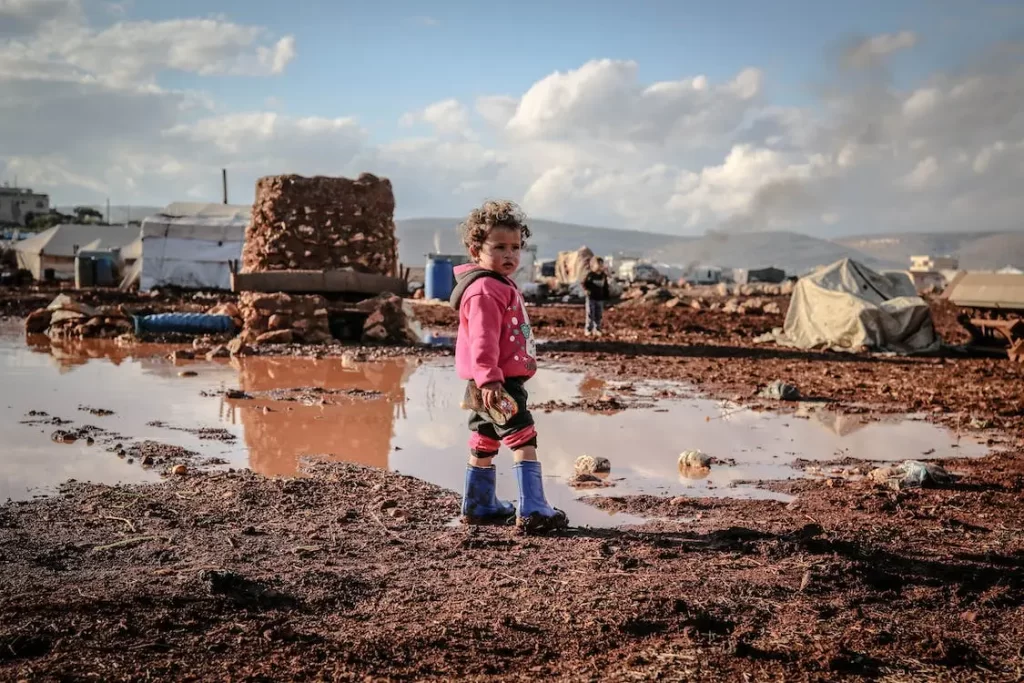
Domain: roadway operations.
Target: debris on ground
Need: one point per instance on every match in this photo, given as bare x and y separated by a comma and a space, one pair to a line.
778, 390
912, 474
588, 464
694, 460
66, 318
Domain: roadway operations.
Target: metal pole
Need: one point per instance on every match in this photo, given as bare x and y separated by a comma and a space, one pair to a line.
224, 180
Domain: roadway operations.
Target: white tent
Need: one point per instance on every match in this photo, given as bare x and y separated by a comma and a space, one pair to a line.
56, 248
192, 245
847, 306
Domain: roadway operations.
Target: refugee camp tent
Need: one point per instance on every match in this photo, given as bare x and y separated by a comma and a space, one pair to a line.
192, 245
848, 306
56, 248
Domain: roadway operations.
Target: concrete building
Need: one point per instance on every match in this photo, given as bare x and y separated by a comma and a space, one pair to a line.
932, 264
18, 204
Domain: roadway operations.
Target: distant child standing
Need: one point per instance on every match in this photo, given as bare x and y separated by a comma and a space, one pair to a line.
496, 353
596, 286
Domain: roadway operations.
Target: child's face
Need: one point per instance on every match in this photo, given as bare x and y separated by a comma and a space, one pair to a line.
597, 266
501, 251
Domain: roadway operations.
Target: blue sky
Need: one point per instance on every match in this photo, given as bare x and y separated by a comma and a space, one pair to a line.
585, 111
378, 60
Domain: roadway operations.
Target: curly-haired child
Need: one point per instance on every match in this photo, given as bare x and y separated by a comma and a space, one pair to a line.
496, 353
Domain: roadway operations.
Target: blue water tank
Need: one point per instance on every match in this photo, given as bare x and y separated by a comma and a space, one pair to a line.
439, 280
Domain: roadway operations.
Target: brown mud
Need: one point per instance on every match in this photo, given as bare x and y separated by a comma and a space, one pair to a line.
355, 573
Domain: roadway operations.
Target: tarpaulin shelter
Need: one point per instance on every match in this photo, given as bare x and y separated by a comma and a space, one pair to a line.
572, 266
55, 249
192, 245
848, 306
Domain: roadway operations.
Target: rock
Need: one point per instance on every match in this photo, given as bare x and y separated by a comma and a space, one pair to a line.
38, 321
276, 337
696, 305
391, 319
722, 289
188, 373
780, 391
147, 461
731, 306
279, 322
181, 355
397, 513
586, 464
218, 352
694, 459
237, 347
388, 504
787, 287
674, 302
179, 470
772, 308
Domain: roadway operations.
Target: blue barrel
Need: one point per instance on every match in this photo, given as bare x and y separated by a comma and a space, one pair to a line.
104, 271
185, 323
439, 280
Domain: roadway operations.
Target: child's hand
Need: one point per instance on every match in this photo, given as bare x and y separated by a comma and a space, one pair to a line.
489, 393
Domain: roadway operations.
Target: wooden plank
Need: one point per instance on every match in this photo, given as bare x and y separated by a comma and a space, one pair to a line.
316, 282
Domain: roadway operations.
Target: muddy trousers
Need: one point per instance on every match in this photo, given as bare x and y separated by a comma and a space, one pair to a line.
595, 314
486, 437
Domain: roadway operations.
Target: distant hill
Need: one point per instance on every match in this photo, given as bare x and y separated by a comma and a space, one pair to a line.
420, 236
975, 250
793, 252
118, 214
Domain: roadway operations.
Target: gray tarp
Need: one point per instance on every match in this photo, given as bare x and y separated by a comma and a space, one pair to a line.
847, 306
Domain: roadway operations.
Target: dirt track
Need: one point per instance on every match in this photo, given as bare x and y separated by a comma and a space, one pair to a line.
232, 576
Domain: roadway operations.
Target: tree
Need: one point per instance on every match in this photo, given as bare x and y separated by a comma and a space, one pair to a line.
87, 214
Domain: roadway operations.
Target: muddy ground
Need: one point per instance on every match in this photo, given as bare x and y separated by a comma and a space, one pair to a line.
354, 574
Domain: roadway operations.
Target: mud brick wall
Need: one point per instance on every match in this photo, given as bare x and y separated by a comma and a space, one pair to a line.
284, 318
322, 223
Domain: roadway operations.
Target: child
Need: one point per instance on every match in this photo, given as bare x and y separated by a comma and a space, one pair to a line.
596, 286
496, 353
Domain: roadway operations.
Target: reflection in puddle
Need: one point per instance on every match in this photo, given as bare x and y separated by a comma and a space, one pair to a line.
412, 423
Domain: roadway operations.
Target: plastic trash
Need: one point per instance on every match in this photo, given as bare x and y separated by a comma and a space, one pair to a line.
780, 391
912, 474
184, 323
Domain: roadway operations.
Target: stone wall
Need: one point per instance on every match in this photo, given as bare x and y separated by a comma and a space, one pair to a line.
284, 318
322, 223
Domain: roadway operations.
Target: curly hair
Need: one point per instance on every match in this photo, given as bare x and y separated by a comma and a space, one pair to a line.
494, 213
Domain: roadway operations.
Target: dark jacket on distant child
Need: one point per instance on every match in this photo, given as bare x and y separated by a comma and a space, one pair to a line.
596, 286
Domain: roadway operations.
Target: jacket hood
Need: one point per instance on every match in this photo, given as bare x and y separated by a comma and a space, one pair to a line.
467, 274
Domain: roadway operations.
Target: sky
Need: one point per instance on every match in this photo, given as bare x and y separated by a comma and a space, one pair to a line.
672, 116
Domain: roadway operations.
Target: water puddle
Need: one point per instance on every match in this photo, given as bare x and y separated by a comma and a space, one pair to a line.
267, 413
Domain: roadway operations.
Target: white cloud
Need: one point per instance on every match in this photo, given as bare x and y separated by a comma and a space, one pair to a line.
594, 144
448, 117
869, 51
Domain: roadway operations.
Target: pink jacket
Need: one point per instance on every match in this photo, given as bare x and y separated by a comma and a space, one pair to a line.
495, 340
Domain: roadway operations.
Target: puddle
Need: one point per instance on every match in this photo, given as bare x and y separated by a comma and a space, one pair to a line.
404, 416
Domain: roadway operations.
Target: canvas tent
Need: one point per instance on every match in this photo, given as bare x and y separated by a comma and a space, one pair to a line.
847, 306
192, 245
56, 248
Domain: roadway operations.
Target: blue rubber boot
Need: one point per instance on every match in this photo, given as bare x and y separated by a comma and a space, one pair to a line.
479, 503
535, 515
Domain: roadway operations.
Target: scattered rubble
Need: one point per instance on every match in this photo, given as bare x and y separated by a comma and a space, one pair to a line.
283, 319
694, 460
586, 464
390, 319
778, 390
65, 318
912, 474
